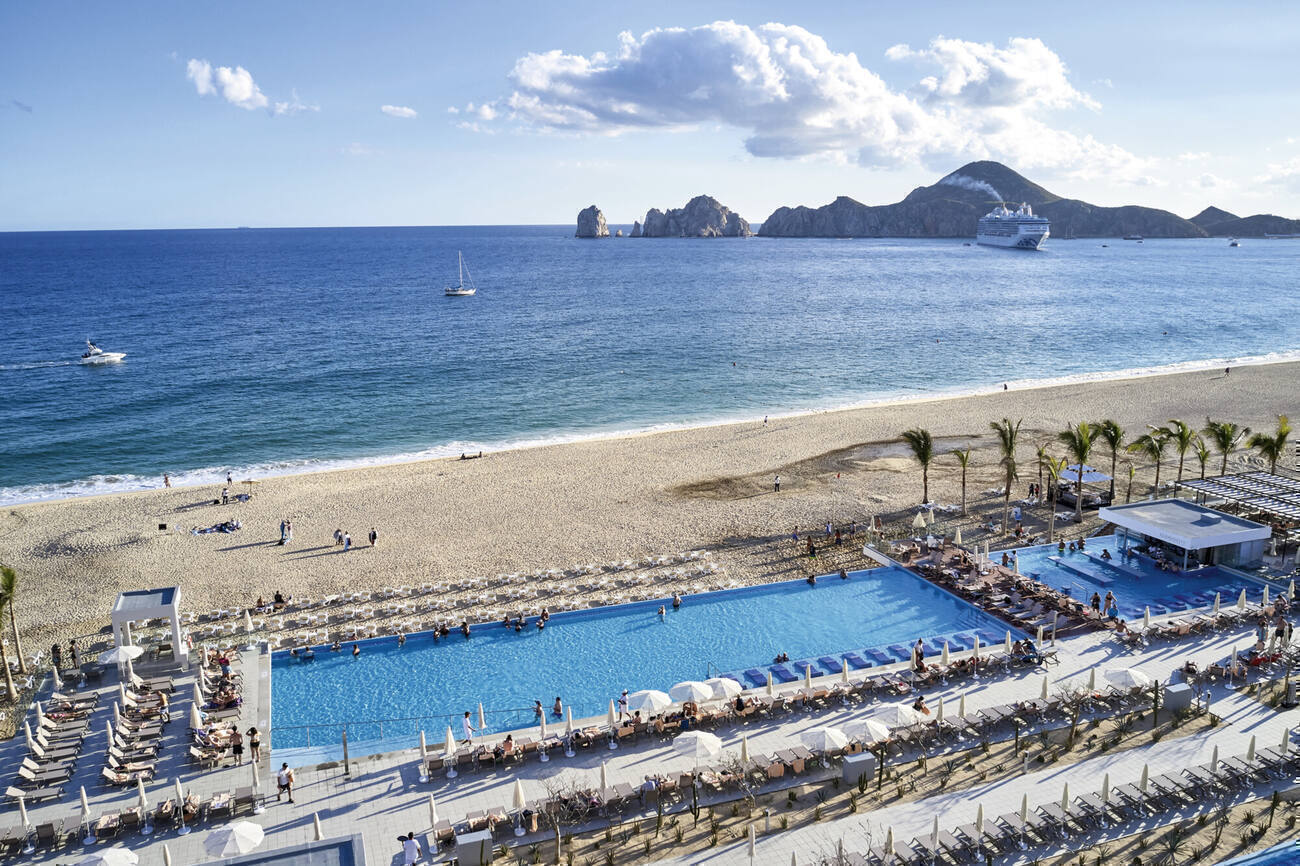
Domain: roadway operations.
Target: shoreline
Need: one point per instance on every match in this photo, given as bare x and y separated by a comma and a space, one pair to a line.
273, 470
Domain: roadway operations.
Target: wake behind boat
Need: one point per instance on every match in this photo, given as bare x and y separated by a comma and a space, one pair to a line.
460, 290
96, 355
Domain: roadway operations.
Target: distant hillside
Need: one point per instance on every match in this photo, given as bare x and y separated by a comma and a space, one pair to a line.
1212, 215
952, 208
1253, 226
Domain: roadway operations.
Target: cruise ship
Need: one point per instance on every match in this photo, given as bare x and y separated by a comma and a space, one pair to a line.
1018, 229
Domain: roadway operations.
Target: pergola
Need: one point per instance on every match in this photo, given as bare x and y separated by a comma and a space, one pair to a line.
1278, 496
142, 604
1184, 525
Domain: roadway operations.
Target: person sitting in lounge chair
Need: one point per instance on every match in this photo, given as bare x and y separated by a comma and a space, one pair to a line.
919, 705
1029, 653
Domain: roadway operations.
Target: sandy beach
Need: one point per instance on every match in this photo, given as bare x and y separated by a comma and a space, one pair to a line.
592, 501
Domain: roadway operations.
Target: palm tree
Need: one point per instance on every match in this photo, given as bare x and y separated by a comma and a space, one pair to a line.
1182, 436
1272, 447
1113, 435
963, 457
1008, 433
1042, 457
1054, 469
1132, 471
9, 589
4, 656
1202, 454
1152, 446
922, 445
1226, 436
1078, 441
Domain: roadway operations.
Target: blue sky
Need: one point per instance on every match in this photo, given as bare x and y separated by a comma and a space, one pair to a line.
133, 115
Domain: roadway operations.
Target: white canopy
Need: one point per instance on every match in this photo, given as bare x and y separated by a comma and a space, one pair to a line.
141, 604
1184, 524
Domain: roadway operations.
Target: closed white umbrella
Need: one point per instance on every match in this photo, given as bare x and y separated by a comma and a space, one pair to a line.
167, 855
1290, 592
1214, 759
424, 750
258, 808
744, 749
433, 812
807, 676
196, 718
1043, 695
1128, 678
317, 832
979, 823
482, 721
1146, 778
604, 776
568, 732
1265, 596
197, 696
1092, 679
929, 517
844, 670
1285, 745
824, 739
40, 715
752, 841
649, 702
541, 725
520, 804
943, 656
1218, 598
956, 537
1038, 638
31, 741
1105, 788
1241, 599
868, 730
976, 652
723, 687
248, 622
1146, 617
108, 728
57, 680
1250, 749
1024, 808
770, 690
612, 718
449, 753
1006, 645
23, 820
121, 694
117, 714
889, 845
961, 706
142, 799
85, 805
934, 833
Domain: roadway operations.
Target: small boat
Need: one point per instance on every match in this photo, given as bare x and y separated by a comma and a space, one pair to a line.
460, 290
1132, 237
96, 355
1234, 242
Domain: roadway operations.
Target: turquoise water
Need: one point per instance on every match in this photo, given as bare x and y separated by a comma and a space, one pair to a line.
288, 350
1285, 852
589, 657
1135, 582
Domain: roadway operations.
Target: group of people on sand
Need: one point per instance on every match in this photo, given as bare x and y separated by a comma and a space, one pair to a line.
344, 539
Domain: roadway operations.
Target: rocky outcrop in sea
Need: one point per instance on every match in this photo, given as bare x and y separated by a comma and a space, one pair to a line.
591, 224
703, 217
636, 229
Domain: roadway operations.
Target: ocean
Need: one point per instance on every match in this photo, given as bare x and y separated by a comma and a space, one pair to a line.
272, 351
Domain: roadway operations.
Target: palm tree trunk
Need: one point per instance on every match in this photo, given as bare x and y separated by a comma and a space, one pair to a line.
963, 491
18, 641
1006, 505
1155, 491
1114, 457
1181, 458
1051, 520
1223, 468
9, 677
925, 484
1078, 496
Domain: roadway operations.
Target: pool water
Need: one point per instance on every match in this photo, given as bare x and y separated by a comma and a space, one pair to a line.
589, 657
1136, 582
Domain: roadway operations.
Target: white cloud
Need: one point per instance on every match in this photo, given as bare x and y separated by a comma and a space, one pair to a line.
1193, 156
236, 85
1212, 181
1284, 174
356, 148
796, 98
294, 106
399, 111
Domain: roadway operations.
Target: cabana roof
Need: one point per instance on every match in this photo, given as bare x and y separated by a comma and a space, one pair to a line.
1185, 524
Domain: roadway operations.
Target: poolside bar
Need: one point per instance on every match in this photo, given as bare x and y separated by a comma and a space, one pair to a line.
1200, 536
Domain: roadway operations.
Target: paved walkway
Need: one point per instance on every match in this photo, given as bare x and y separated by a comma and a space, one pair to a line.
382, 797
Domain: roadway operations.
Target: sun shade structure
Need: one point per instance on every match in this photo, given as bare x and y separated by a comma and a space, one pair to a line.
142, 604
1090, 475
1226, 539
1275, 495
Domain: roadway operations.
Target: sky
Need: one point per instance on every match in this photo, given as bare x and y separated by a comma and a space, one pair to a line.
147, 115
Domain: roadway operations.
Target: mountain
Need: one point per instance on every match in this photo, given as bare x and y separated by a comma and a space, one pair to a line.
953, 206
1252, 226
703, 217
1212, 215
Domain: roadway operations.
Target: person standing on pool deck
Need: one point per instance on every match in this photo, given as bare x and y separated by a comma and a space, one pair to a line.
284, 782
468, 729
1096, 602
622, 705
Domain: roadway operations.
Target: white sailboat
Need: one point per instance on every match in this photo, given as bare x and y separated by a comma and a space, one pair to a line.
460, 290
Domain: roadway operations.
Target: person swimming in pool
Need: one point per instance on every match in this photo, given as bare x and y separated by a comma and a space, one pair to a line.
677, 601
663, 612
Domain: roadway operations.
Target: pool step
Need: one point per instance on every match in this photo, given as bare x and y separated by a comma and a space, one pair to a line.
1099, 579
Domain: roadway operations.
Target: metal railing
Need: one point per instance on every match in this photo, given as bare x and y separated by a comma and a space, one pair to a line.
374, 730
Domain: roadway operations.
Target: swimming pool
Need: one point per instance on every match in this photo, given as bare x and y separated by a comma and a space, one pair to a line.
1285, 852
589, 657
1136, 582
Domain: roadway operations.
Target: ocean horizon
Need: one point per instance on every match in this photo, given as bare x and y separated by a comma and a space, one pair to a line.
278, 351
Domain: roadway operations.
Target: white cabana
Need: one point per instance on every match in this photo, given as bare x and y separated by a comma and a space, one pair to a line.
143, 604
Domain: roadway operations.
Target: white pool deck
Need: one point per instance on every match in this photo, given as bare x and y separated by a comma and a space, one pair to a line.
383, 797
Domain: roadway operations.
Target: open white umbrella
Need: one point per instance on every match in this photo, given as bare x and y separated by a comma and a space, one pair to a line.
1128, 678
868, 730
824, 739
723, 687
649, 701
120, 655
696, 745
110, 857
1218, 598
1043, 694
918, 522
690, 691
943, 656
905, 716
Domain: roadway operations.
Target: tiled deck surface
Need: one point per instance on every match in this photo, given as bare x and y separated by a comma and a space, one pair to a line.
382, 797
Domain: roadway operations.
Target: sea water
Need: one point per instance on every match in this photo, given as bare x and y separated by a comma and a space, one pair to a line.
283, 350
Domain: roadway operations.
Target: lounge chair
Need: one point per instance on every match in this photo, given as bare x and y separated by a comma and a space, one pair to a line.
32, 779
34, 794
122, 779
153, 684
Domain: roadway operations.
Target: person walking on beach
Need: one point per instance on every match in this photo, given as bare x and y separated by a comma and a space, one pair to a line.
228, 481
374, 536
167, 480
282, 528
776, 484
338, 537
288, 530
284, 782
467, 728
225, 496
347, 542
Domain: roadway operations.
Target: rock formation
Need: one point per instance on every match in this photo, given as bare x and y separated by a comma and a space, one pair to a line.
952, 208
618, 234
703, 217
591, 224
636, 229
1219, 223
